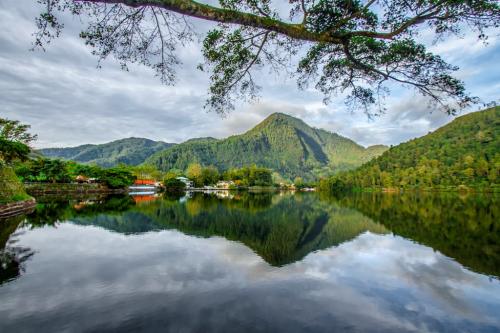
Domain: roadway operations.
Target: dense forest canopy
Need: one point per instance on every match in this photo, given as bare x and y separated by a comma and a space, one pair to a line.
351, 46
129, 151
58, 171
464, 152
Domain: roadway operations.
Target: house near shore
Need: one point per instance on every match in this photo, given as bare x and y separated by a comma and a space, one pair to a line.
189, 183
81, 179
225, 184
145, 184
150, 182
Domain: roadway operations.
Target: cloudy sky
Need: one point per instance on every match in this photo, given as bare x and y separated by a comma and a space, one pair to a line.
68, 101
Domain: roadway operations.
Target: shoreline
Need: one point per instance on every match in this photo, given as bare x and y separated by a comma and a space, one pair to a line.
456, 189
249, 189
17, 208
35, 189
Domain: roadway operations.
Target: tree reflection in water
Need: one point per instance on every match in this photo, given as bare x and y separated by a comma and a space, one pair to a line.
283, 228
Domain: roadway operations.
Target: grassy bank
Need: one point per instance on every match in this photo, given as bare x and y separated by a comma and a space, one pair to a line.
11, 189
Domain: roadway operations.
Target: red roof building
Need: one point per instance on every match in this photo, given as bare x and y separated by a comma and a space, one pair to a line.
144, 182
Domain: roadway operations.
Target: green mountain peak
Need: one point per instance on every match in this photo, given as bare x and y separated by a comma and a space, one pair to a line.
280, 142
280, 119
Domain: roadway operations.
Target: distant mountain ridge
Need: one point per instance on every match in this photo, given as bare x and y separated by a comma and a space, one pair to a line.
280, 142
130, 151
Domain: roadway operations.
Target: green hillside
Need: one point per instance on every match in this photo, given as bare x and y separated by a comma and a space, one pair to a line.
11, 189
281, 142
464, 152
130, 151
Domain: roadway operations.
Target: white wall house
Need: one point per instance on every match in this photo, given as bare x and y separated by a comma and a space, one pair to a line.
189, 183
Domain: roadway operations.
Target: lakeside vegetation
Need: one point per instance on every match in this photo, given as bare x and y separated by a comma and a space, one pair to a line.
463, 155
235, 178
19, 164
241, 177
14, 141
11, 189
57, 171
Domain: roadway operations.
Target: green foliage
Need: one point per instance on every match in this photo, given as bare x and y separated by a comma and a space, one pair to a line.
210, 175
174, 185
44, 170
202, 175
249, 176
11, 189
117, 177
172, 173
282, 143
13, 130
298, 182
464, 152
12, 150
58, 171
14, 141
131, 151
229, 53
193, 172
145, 172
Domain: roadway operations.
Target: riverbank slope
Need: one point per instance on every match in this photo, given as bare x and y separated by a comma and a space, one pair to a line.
13, 197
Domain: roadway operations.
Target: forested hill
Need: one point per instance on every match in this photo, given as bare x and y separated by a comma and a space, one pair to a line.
131, 151
281, 142
464, 152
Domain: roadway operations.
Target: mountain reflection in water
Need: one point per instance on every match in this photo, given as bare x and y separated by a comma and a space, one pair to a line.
253, 262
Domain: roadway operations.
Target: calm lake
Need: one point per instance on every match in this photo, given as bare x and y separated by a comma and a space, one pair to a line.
229, 262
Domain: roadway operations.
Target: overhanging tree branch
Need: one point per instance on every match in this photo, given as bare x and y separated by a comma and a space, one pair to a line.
352, 46
222, 15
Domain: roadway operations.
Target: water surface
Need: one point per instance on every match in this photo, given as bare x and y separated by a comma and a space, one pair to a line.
253, 262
